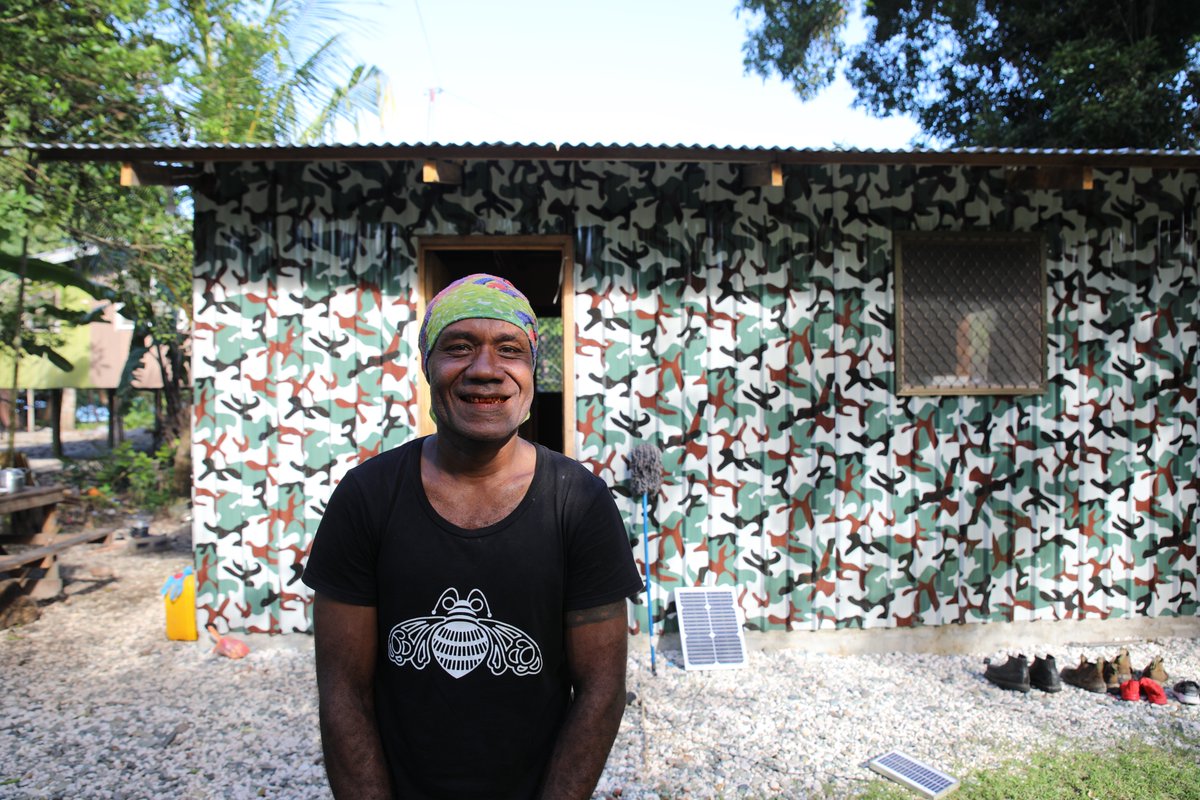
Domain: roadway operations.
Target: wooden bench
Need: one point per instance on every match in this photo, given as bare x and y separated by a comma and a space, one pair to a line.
33, 513
59, 543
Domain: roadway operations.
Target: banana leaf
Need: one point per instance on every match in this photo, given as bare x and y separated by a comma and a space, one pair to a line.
62, 274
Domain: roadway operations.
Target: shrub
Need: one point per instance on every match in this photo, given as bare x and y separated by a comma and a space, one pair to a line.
139, 412
146, 480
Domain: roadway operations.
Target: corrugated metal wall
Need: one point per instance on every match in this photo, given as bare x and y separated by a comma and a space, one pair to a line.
749, 334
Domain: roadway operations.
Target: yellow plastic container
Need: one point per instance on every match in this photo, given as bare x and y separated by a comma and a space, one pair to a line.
181, 609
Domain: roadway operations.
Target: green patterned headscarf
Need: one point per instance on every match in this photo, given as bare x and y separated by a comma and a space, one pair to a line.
476, 296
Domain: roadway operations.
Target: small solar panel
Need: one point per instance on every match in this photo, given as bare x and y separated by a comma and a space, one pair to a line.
710, 628
906, 770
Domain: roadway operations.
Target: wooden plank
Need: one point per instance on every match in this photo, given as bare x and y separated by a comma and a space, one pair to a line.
59, 544
31, 497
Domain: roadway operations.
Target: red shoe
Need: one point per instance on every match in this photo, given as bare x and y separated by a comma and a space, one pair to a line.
1131, 690
1154, 691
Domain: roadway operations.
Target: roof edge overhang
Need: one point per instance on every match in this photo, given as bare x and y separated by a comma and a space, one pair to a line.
971, 156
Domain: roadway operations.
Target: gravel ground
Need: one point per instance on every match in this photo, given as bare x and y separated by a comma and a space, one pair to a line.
97, 703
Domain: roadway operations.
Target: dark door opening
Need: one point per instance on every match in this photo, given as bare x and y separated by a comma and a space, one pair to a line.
538, 274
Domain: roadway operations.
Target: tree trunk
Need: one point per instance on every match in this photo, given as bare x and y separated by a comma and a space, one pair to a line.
116, 427
182, 463
8, 408
56, 409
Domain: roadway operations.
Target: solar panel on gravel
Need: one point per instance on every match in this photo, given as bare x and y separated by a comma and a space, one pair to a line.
906, 770
710, 628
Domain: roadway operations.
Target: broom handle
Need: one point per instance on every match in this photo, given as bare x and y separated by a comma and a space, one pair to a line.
649, 596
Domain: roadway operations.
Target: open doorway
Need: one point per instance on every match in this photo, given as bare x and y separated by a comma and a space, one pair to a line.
541, 267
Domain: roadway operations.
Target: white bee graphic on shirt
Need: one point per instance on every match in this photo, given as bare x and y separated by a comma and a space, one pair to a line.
462, 636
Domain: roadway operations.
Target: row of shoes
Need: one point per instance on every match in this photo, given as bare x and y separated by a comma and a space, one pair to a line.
1105, 675
1101, 676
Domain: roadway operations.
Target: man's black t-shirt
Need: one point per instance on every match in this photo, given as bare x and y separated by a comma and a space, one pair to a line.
471, 682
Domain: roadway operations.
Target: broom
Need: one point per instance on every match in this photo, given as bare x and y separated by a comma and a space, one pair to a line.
645, 476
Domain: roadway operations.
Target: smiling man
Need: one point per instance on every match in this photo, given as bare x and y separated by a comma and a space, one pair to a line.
470, 614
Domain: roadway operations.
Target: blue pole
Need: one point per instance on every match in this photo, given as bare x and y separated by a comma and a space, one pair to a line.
649, 596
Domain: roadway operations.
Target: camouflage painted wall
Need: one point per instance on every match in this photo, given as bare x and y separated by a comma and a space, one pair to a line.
748, 333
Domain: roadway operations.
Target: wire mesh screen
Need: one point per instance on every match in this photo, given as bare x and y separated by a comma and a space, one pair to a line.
971, 315
550, 354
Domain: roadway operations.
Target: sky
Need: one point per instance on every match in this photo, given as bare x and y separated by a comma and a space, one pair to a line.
659, 72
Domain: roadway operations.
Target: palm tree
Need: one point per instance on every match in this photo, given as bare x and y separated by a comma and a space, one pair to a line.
273, 77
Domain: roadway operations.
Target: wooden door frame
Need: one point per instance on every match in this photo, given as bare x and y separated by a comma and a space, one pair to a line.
425, 283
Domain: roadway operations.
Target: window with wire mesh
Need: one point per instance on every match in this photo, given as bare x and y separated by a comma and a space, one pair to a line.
970, 313
550, 354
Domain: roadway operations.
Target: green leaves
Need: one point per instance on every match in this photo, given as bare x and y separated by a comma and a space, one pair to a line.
801, 41
62, 274
43, 350
70, 77
145, 479
1009, 73
117, 71
266, 75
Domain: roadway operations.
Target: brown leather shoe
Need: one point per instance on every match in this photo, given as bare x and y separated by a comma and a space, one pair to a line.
1155, 671
1088, 675
1109, 670
1123, 666
1119, 670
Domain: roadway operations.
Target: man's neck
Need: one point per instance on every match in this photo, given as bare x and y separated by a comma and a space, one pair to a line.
472, 485
469, 459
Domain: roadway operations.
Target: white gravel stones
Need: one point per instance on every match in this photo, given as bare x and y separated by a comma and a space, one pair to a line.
793, 724
97, 703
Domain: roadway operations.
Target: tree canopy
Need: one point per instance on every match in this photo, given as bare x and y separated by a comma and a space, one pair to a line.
147, 71
72, 72
1002, 73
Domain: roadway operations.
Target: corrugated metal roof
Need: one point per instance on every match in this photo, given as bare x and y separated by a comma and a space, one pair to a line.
977, 156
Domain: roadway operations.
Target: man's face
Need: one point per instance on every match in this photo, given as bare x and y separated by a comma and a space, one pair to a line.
481, 379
